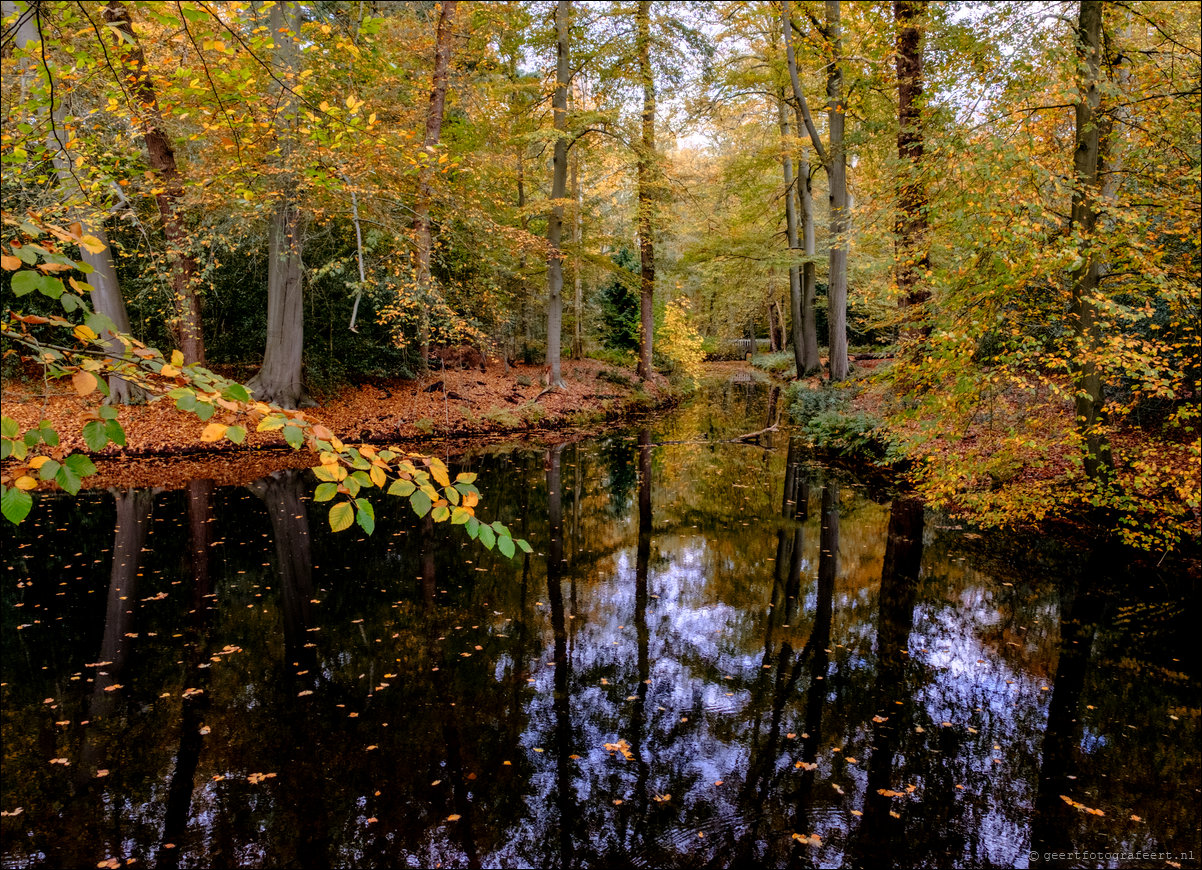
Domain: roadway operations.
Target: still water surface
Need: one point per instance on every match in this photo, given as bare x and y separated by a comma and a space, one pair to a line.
718, 654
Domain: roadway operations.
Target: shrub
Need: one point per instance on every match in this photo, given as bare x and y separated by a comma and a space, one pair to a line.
850, 435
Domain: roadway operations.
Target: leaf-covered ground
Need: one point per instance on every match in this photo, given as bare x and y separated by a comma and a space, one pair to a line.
455, 403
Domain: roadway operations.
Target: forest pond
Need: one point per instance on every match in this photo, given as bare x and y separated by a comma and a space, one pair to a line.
718, 653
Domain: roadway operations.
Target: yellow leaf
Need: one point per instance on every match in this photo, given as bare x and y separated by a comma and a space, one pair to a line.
376, 475
25, 482
85, 333
168, 371
84, 382
213, 432
177, 359
91, 244
439, 471
38, 461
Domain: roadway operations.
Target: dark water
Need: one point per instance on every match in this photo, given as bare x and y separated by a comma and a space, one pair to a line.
780, 651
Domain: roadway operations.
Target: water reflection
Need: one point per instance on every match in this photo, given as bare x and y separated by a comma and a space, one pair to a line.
766, 650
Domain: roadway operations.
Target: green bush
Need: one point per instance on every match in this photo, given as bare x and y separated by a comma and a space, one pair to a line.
849, 435
780, 363
805, 403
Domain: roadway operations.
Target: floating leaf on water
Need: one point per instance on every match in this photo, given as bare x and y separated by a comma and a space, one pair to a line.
621, 746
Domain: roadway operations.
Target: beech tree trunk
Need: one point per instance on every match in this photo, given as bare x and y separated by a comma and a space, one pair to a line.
281, 378
106, 295
1090, 402
168, 182
559, 181
786, 160
646, 196
805, 335
837, 173
421, 222
577, 275
911, 228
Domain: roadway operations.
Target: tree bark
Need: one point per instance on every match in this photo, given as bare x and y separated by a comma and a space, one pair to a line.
106, 292
168, 181
786, 159
281, 379
802, 310
559, 180
577, 275
421, 222
1090, 402
910, 230
646, 196
837, 172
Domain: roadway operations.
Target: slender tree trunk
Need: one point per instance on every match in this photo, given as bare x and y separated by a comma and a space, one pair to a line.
559, 180
1090, 403
802, 310
168, 181
577, 275
646, 196
421, 222
837, 287
911, 227
281, 378
786, 159
106, 292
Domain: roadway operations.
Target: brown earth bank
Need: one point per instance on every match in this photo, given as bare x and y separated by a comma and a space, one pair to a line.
465, 407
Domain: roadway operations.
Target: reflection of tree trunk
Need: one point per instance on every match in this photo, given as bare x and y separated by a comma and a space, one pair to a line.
878, 838
281, 493
133, 525
187, 757
642, 563
561, 701
1080, 610
816, 647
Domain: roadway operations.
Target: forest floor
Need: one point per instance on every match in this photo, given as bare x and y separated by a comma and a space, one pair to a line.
164, 447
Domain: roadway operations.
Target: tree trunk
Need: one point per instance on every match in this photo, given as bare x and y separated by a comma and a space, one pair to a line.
577, 276
281, 380
837, 287
106, 292
421, 222
786, 159
911, 227
646, 168
559, 181
1090, 403
167, 180
805, 335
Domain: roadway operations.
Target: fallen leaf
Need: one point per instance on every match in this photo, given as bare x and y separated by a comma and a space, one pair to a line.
621, 746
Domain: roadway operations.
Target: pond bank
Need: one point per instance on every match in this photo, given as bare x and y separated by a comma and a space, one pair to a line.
454, 404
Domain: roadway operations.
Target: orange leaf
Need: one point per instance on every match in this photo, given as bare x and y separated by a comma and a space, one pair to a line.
213, 432
84, 382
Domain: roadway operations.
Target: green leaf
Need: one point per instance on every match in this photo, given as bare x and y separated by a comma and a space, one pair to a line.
403, 488
237, 392
6, 448
351, 484
440, 513
341, 516
365, 516
15, 504
116, 434
80, 464
95, 435
9, 427
363, 478
51, 287
237, 434
505, 545
68, 480
473, 527
107, 412
325, 491
186, 402
459, 516
420, 503
294, 436
204, 410
526, 548
49, 435
24, 283
33, 437
48, 469
487, 536
452, 494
